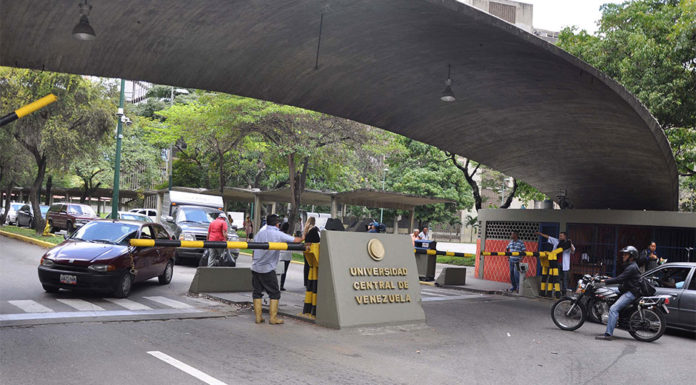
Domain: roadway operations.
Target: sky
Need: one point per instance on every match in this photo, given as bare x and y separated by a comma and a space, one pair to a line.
555, 15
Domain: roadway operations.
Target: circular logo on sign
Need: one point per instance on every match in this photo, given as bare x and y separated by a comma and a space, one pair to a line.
375, 249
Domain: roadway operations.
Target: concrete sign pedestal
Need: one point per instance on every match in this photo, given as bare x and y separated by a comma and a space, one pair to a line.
367, 279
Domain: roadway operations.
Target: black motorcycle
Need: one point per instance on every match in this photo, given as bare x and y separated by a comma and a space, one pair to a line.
644, 318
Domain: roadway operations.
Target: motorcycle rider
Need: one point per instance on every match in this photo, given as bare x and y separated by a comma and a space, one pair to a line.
629, 289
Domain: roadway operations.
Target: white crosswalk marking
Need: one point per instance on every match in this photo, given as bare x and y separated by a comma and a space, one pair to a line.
128, 304
79, 304
30, 306
433, 294
169, 302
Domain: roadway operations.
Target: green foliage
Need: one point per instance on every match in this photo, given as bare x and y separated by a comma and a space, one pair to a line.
420, 169
649, 46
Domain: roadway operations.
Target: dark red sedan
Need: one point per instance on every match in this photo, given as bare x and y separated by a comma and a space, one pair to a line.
98, 257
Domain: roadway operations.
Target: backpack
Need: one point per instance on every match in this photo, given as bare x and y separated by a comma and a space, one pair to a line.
645, 287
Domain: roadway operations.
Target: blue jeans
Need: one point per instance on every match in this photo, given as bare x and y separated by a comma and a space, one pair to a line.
515, 272
620, 303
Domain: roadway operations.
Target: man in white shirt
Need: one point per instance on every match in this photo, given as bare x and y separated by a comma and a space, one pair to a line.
425, 235
263, 266
568, 248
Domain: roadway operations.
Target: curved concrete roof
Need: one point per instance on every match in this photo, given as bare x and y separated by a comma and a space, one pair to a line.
523, 107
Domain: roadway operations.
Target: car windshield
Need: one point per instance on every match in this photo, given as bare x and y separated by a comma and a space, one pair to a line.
197, 214
111, 232
17, 206
135, 217
44, 209
82, 210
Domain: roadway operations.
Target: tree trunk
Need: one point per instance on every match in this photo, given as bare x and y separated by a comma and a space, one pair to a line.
508, 201
478, 201
8, 200
49, 186
34, 194
298, 180
221, 156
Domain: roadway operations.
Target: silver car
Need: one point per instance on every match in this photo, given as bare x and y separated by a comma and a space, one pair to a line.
679, 280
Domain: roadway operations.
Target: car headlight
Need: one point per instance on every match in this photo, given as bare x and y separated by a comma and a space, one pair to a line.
47, 262
102, 268
187, 237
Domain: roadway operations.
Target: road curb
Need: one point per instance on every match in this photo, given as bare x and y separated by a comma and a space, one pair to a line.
23, 238
248, 304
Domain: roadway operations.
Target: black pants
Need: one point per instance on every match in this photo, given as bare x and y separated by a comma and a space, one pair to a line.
285, 273
267, 282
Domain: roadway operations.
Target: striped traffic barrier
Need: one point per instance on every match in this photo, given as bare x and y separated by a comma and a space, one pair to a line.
311, 254
218, 244
28, 109
514, 253
422, 250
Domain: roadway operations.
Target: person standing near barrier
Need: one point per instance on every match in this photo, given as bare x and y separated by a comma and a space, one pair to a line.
414, 237
425, 235
263, 266
568, 248
249, 228
217, 231
515, 245
311, 235
649, 258
285, 257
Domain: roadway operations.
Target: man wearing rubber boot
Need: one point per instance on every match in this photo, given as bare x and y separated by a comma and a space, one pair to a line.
263, 266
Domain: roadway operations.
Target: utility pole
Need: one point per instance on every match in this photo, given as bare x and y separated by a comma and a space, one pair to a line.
384, 179
171, 148
117, 163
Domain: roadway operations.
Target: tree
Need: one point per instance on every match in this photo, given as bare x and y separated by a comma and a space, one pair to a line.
62, 131
649, 46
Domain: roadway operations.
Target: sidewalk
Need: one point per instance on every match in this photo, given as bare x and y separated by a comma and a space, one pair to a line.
473, 283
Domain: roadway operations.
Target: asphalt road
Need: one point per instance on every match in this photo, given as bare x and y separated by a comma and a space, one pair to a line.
468, 338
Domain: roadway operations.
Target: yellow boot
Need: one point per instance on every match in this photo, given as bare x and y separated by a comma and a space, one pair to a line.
273, 311
258, 310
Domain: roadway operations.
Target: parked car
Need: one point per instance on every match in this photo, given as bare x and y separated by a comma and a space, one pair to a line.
152, 213
679, 280
190, 223
25, 215
69, 216
132, 216
98, 257
11, 217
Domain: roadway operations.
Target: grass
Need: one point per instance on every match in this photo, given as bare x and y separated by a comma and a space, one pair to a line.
299, 257
461, 261
31, 233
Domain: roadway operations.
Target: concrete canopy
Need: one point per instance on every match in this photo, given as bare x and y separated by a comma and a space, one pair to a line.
523, 107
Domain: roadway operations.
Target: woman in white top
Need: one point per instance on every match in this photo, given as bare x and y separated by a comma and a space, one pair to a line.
285, 257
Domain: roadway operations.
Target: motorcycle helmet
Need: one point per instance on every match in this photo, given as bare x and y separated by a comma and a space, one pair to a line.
632, 251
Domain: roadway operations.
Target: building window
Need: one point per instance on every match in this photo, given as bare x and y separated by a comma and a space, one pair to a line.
502, 230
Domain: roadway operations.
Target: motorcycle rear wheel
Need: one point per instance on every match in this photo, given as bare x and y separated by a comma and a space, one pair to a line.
650, 329
568, 314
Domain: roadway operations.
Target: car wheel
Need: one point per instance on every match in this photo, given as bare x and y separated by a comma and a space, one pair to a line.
167, 274
124, 285
69, 228
50, 289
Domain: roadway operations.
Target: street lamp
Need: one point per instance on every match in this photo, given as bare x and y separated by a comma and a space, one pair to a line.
82, 30
117, 163
384, 179
447, 93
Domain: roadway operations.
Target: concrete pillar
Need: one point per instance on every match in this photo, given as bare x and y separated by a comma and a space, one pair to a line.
99, 206
158, 206
396, 224
411, 220
273, 208
334, 207
344, 210
482, 233
257, 214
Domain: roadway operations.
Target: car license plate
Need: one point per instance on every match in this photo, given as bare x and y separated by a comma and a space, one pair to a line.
68, 279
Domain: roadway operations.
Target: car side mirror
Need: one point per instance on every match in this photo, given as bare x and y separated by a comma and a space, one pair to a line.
66, 235
168, 218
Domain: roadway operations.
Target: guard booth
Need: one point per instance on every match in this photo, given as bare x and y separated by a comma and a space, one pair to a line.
596, 234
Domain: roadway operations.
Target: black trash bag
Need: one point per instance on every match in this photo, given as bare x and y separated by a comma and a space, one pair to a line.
227, 259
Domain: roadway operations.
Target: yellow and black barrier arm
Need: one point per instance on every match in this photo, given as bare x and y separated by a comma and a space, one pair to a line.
218, 244
28, 109
422, 250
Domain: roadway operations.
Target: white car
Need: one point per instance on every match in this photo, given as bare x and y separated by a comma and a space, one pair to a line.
152, 213
11, 217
